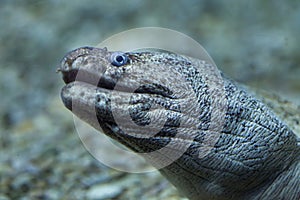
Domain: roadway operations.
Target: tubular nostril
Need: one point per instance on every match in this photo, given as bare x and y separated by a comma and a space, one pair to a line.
69, 61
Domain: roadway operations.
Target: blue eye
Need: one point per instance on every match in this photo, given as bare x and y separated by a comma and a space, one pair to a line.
118, 59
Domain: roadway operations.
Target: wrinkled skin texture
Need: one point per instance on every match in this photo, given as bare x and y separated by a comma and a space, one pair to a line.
254, 155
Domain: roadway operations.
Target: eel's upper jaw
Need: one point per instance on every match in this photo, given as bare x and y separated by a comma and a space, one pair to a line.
68, 73
88, 65
68, 66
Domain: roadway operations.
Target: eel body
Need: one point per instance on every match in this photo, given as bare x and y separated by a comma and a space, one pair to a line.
207, 135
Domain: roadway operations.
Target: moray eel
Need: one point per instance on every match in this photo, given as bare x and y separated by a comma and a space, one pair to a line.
162, 106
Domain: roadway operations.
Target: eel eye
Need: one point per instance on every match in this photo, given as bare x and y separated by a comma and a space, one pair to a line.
118, 59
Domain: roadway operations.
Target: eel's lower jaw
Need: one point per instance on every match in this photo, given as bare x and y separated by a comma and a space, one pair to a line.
80, 98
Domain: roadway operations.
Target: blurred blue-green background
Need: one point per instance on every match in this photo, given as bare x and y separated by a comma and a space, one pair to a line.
254, 42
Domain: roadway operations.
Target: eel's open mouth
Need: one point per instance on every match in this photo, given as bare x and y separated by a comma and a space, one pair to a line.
69, 76
87, 76
105, 82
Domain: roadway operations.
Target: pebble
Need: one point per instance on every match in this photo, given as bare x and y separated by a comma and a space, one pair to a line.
104, 192
2, 197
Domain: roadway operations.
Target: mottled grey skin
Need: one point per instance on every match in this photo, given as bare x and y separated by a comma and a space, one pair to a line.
255, 157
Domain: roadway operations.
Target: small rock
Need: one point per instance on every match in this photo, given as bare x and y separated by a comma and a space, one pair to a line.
22, 181
3, 197
104, 192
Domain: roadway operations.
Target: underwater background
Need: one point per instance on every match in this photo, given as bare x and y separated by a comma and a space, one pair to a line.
41, 156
